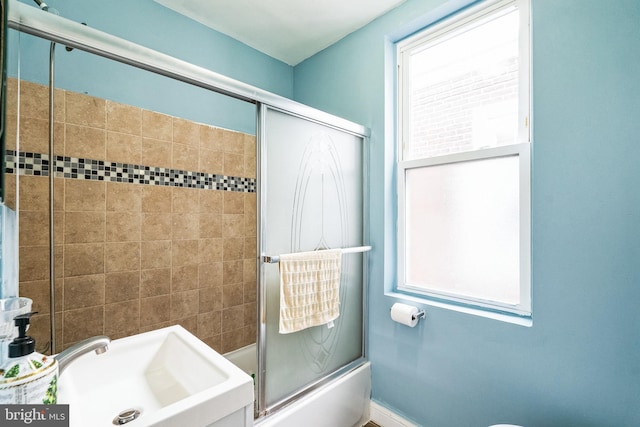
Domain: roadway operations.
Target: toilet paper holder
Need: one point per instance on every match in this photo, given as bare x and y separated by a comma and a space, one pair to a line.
419, 315
406, 314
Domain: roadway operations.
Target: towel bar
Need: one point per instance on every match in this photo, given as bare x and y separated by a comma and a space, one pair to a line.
276, 258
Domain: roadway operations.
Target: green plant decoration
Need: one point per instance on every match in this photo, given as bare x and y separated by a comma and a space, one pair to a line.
51, 397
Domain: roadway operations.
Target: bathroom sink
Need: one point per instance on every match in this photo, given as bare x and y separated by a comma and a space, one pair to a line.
168, 375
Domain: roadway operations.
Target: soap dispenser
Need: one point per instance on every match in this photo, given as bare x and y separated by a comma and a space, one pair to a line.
27, 377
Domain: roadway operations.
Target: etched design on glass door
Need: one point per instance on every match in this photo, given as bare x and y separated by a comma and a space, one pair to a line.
320, 219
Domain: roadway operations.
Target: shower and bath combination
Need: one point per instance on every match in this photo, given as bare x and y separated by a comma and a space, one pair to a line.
331, 155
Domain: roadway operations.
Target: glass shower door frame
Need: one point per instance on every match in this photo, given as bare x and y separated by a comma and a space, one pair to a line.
29, 20
263, 406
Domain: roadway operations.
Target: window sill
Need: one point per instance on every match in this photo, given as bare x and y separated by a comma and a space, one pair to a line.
502, 317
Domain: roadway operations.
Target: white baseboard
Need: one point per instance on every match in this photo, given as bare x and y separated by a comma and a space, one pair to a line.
385, 418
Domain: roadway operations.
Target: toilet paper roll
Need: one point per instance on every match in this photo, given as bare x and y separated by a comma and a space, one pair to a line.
405, 314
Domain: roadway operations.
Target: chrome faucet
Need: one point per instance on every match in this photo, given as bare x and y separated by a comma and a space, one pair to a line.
99, 344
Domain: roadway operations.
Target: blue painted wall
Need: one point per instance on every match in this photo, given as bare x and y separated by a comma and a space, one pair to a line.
579, 365
149, 24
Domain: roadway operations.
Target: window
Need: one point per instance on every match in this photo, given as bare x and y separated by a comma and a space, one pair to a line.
464, 160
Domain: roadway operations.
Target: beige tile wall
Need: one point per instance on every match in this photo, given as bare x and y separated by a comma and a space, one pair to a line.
130, 257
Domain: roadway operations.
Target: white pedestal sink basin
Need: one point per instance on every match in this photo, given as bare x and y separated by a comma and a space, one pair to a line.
168, 375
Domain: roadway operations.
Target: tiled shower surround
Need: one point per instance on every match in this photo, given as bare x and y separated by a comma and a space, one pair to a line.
155, 220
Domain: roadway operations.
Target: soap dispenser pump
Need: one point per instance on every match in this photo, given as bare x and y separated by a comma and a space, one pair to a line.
27, 377
22, 345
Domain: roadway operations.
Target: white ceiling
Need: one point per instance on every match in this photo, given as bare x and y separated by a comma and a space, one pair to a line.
288, 30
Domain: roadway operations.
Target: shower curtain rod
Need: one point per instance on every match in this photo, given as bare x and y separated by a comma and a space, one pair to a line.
31, 20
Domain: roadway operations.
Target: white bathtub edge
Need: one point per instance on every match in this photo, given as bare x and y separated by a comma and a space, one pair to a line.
343, 402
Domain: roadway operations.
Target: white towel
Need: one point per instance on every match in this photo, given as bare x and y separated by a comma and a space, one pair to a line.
309, 289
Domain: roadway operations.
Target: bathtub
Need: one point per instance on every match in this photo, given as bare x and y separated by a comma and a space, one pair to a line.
343, 402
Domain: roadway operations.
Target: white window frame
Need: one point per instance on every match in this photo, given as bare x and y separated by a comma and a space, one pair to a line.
521, 148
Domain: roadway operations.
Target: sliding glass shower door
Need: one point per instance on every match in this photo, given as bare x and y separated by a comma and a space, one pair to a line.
311, 197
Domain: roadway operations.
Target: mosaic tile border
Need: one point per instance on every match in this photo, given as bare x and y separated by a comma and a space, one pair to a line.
37, 164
